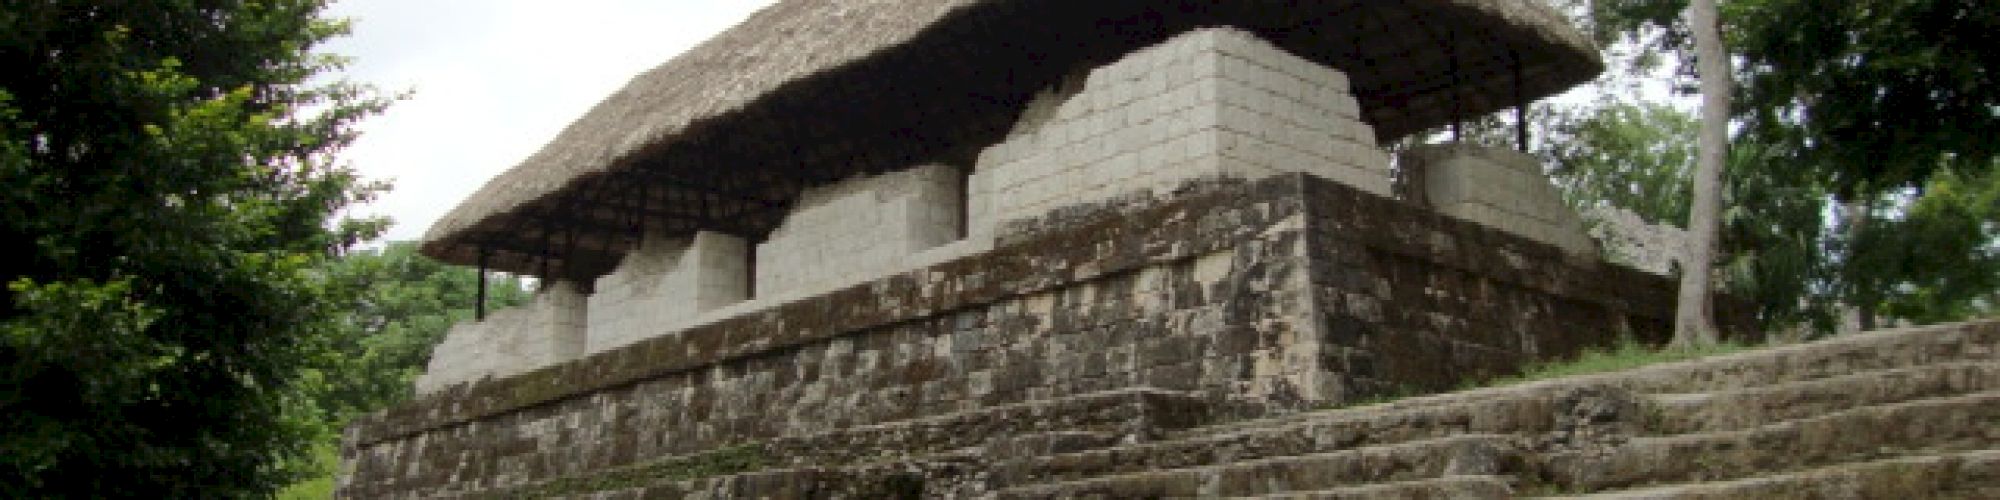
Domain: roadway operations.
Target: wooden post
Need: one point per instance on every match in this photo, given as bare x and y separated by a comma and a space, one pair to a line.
479, 305
1520, 107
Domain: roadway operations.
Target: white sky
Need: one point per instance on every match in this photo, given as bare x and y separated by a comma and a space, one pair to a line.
491, 81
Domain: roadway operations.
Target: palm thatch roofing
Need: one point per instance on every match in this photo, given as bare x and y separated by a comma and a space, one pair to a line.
807, 92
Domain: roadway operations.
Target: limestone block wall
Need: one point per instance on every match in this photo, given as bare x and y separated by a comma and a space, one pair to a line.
666, 284
549, 330
860, 228
1498, 188
1213, 102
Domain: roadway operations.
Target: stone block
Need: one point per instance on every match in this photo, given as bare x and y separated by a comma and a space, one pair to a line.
546, 331
1169, 108
664, 285
866, 227
1498, 188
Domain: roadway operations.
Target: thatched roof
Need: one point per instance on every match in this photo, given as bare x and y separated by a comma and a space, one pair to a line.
805, 92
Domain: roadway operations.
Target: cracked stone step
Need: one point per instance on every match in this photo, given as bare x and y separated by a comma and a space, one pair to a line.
1442, 488
1745, 408
1928, 425
1458, 455
1966, 475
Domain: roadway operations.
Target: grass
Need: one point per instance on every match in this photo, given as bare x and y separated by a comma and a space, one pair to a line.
320, 487
1626, 355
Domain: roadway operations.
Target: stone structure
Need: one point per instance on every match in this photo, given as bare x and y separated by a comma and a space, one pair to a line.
859, 229
665, 284
1213, 103
548, 330
1630, 240
1103, 240
1498, 188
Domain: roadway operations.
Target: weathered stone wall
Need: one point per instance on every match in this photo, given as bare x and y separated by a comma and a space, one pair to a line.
1256, 298
1411, 299
546, 331
666, 284
1214, 102
1197, 295
1499, 188
860, 228
1630, 240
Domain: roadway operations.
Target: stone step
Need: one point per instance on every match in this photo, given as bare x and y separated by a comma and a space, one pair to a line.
1937, 424
1456, 455
1441, 488
1965, 475
1841, 355
1036, 427
1746, 408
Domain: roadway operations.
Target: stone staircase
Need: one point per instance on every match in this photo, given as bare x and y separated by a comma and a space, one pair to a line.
1911, 413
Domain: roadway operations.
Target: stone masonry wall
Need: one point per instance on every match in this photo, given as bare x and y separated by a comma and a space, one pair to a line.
546, 331
860, 228
666, 284
1213, 102
1203, 294
1258, 298
1414, 300
1499, 188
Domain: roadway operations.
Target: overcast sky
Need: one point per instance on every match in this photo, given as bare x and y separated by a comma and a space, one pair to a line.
491, 81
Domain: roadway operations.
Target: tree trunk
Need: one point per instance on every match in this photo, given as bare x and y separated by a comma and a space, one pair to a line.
1694, 322
1854, 216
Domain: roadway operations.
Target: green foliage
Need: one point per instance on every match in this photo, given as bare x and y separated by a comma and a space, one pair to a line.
1878, 94
318, 486
1631, 156
1875, 102
171, 191
1937, 259
1637, 157
394, 306
397, 306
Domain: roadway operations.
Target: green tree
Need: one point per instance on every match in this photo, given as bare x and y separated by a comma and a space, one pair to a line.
1626, 155
1694, 321
1873, 97
171, 188
399, 306
1934, 258
1637, 157
395, 305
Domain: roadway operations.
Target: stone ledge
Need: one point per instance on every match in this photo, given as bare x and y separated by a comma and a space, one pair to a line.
1030, 256
1033, 256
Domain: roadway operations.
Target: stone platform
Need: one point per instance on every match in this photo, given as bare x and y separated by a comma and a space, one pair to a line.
1097, 326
